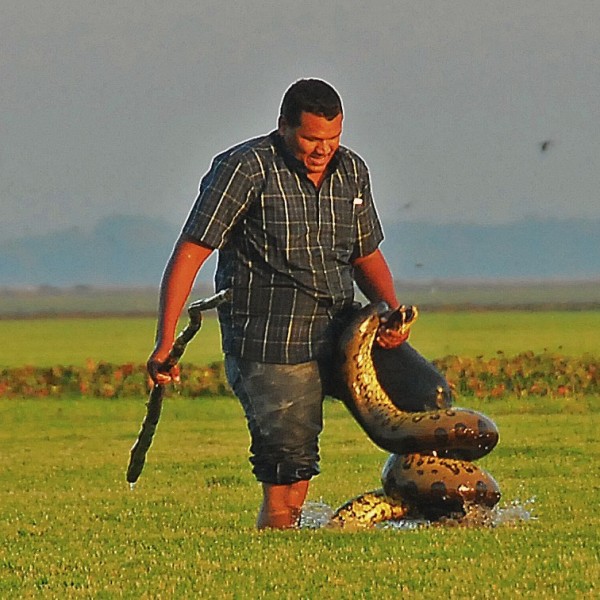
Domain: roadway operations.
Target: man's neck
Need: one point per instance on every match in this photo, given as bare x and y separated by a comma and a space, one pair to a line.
317, 178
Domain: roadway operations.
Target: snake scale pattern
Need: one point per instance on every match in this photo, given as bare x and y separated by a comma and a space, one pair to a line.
429, 473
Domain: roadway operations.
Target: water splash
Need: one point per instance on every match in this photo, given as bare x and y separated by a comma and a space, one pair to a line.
515, 512
403, 524
316, 515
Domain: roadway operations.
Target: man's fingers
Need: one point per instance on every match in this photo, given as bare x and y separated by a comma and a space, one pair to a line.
161, 377
390, 338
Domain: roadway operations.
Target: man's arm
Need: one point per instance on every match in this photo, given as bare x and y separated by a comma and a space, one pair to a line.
374, 279
179, 276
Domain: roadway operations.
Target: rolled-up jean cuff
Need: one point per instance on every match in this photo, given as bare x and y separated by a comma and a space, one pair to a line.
284, 410
282, 473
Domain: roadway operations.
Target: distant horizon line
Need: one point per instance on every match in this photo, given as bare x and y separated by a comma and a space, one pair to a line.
204, 286
88, 227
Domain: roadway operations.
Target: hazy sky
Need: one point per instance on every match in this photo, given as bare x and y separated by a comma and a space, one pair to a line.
117, 107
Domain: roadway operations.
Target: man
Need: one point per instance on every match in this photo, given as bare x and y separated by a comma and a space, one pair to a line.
292, 217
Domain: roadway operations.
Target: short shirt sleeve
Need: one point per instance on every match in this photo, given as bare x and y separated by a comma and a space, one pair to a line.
225, 194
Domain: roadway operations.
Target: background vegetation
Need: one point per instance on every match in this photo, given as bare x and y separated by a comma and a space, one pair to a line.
433, 295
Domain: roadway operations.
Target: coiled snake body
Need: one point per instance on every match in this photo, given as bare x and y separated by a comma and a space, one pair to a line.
429, 472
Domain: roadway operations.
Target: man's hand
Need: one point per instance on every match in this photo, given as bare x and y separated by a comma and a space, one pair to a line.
395, 327
390, 338
158, 374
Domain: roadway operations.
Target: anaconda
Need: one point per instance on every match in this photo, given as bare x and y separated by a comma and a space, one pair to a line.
429, 471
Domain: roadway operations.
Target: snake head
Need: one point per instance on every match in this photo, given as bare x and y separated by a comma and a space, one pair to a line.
400, 319
393, 327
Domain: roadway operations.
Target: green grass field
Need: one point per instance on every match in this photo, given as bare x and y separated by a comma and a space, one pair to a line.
70, 341
70, 527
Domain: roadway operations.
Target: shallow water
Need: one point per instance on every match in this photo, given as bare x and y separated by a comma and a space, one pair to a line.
316, 515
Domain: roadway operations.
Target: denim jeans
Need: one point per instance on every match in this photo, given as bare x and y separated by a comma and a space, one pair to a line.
284, 410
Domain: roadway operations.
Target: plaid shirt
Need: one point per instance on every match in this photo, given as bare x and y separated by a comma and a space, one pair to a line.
285, 247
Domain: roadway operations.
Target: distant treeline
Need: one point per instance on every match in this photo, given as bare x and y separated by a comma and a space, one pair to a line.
132, 251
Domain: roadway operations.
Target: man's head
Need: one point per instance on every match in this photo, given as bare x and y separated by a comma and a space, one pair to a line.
310, 123
310, 95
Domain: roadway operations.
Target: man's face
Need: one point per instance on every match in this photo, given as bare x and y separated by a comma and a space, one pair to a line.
314, 141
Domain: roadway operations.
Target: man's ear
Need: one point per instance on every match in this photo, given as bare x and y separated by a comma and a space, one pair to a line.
281, 125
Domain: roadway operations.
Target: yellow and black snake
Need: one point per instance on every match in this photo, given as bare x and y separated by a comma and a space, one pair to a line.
429, 473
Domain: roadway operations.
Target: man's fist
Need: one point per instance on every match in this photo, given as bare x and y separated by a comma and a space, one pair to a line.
157, 372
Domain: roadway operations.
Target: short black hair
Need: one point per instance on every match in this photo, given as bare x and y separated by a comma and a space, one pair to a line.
312, 96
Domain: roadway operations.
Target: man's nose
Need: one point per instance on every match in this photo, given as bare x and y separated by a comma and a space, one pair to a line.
323, 148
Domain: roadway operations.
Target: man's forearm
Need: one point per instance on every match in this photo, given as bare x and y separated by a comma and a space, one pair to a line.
177, 281
374, 279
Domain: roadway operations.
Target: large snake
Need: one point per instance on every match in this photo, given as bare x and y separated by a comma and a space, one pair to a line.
429, 473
